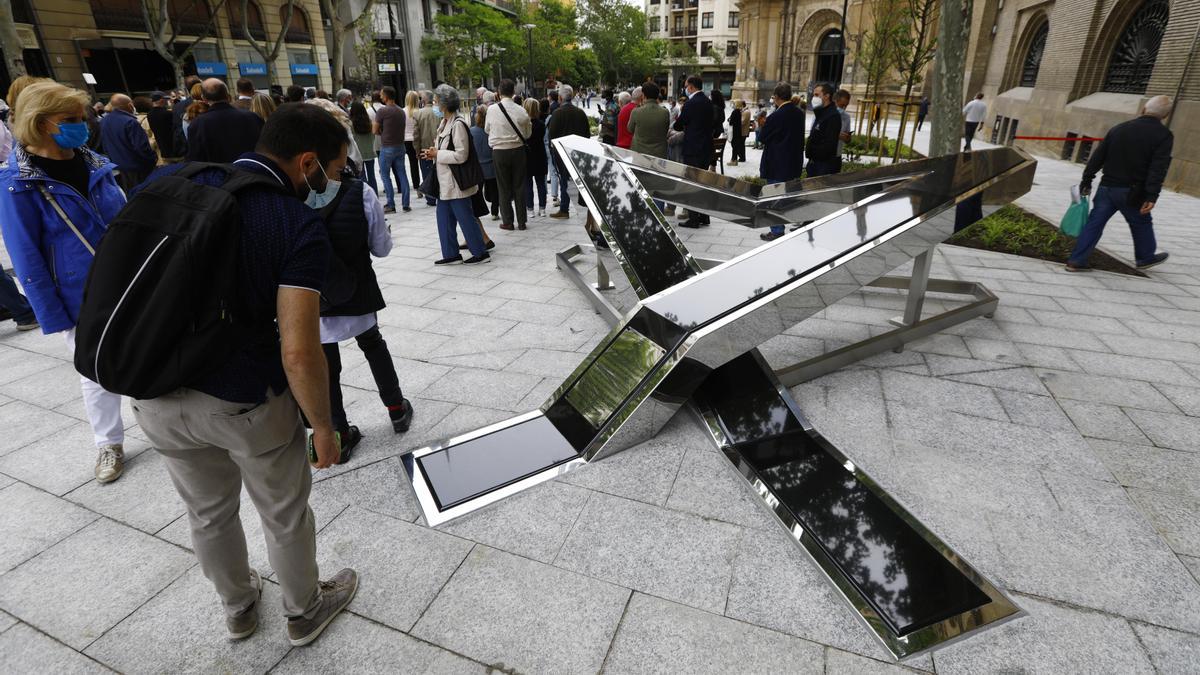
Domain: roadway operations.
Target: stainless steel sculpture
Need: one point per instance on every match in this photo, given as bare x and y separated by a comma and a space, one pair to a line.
690, 323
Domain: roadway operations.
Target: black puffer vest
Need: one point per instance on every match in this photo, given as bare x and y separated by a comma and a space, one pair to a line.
351, 289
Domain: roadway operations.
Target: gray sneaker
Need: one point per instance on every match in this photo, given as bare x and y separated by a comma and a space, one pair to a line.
335, 595
243, 625
110, 463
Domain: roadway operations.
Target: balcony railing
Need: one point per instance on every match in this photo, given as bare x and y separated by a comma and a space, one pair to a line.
123, 20
301, 36
257, 32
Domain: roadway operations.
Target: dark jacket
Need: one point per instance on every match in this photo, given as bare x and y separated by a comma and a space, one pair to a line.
222, 134
536, 158
351, 288
783, 136
180, 139
126, 143
924, 109
823, 140
696, 123
568, 120
50, 261
1134, 154
161, 125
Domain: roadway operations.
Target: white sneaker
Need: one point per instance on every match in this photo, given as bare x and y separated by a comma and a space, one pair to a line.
110, 463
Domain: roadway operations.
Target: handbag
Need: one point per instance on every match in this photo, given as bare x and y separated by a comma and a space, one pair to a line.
468, 174
524, 141
429, 183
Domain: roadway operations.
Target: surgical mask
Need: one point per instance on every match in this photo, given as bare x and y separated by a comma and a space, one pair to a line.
817, 102
319, 200
437, 112
71, 134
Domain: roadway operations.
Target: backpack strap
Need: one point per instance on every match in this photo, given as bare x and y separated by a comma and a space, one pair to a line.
63, 214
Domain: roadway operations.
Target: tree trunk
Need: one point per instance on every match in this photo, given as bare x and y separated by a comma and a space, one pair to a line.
10, 42
337, 34
954, 27
178, 68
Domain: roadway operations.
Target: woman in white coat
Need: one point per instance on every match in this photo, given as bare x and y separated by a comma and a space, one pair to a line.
454, 209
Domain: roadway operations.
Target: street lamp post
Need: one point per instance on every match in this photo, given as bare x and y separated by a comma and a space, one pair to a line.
842, 39
529, 41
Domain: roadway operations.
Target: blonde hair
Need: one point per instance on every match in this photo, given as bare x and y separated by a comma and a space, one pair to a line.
18, 85
533, 107
42, 100
197, 92
412, 101
262, 105
333, 109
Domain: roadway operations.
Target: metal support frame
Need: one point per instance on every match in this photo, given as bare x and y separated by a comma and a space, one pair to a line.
910, 327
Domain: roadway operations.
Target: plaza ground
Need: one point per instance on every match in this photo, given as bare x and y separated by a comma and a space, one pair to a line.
1054, 446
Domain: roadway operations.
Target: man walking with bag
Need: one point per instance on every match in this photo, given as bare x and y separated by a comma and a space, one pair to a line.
1134, 157
508, 128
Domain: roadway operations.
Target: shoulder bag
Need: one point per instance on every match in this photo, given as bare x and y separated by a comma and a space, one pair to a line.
524, 141
468, 174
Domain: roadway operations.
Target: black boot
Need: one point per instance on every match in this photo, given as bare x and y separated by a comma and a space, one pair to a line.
350, 440
401, 416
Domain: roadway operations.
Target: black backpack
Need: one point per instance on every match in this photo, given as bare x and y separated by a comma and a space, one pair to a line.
161, 307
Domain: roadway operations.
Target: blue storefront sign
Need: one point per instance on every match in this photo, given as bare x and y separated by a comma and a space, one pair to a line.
211, 68
253, 68
304, 69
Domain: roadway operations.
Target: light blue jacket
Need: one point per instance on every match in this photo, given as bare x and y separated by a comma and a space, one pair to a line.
50, 261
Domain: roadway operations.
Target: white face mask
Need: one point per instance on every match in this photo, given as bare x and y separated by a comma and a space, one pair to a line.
817, 102
319, 200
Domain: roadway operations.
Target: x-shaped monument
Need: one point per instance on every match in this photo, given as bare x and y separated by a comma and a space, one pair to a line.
691, 338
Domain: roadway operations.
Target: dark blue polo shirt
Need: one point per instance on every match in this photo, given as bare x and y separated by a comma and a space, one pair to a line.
284, 243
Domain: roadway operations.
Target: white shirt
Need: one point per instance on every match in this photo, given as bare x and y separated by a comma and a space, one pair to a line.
379, 239
975, 111
501, 135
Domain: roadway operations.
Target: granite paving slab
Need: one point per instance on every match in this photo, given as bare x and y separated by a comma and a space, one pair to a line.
26, 650
62, 460
389, 554
666, 553
533, 524
1175, 516
64, 592
657, 636
144, 497
644, 472
182, 630
1170, 651
1166, 430
516, 614
25, 424
354, 644
56, 519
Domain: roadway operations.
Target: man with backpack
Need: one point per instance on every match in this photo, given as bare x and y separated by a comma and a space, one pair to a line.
210, 261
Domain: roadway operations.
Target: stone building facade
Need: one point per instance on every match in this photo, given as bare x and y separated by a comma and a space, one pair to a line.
1049, 69
107, 40
701, 27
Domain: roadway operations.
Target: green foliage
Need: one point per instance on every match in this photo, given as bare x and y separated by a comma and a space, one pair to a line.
583, 70
470, 41
860, 146
1012, 230
619, 36
881, 44
553, 43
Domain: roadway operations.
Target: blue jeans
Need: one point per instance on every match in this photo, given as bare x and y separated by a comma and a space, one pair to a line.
540, 182
458, 213
776, 229
391, 160
1107, 201
426, 169
12, 300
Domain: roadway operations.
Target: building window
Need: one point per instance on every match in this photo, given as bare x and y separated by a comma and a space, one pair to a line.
298, 30
691, 29
705, 47
1033, 56
654, 2
655, 24
254, 19
1136, 49
731, 48
733, 19
706, 21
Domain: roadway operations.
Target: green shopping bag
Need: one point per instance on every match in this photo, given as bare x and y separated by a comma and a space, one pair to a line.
1074, 218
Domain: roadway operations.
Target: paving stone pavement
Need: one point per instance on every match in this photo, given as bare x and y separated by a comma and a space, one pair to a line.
1054, 446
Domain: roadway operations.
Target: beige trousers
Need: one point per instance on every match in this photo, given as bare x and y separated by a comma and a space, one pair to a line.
213, 447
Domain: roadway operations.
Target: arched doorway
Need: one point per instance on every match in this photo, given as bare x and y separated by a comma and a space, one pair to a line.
1033, 56
830, 57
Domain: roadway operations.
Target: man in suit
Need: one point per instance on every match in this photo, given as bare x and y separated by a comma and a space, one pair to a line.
696, 122
782, 137
224, 133
245, 93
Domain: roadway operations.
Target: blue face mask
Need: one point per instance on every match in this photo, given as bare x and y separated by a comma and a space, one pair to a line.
71, 134
437, 112
319, 200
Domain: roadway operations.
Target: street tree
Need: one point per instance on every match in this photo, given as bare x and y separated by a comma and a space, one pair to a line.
879, 45
470, 42
620, 37
954, 27
365, 46
334, 11
166, 21
916, 47
555, 40
268, 50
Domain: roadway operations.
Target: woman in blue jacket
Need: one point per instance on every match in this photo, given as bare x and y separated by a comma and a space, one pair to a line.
56, 199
